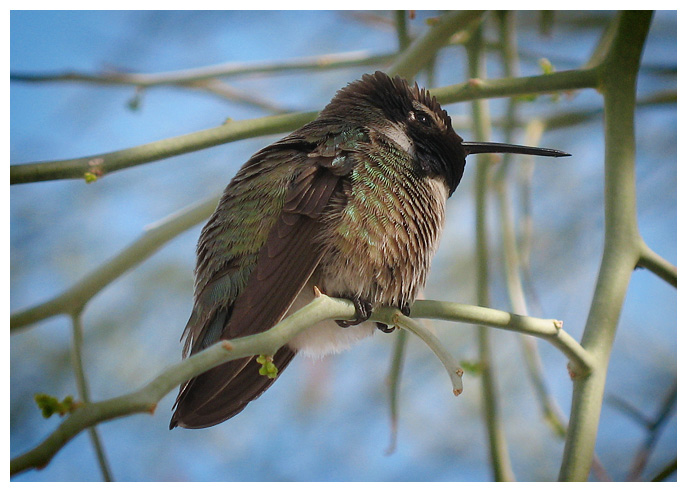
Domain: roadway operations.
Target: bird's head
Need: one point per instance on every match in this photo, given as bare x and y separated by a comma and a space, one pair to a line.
414, 120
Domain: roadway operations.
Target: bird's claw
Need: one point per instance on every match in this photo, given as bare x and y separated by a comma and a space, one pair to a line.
384, 328
405, 309
363, 311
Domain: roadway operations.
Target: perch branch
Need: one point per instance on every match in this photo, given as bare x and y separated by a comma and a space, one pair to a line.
323, 307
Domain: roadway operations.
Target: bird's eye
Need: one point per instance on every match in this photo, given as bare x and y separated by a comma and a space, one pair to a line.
422, 117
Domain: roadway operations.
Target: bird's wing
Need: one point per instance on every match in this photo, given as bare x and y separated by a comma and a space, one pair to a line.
284, 264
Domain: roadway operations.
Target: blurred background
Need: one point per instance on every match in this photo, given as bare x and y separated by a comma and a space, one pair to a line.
324, 420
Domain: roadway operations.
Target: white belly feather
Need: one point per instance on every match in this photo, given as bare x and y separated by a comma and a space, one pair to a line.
325, 337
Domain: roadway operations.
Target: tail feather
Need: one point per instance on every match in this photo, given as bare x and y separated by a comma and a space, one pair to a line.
215, 396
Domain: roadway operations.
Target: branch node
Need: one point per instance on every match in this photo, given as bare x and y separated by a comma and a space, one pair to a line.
90, 177
574, 372
95, 169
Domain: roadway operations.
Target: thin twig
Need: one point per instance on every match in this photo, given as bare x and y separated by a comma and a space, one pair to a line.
452, 367
223, 70
498, 446
420, 51
658, 265
666, 471
228, 92
84, 393
75, 298
654, 428
394, 379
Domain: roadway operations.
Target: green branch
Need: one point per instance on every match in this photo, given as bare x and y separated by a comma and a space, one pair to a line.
145, 400
194, 75
84, 393
658, 265
74, 299
491, 411
513, 259
550, 330
454, 371
478, 88
622, 241
394, 382
422, 50
99, 165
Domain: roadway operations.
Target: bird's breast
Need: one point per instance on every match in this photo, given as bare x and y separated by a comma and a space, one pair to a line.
379, 248
381, 244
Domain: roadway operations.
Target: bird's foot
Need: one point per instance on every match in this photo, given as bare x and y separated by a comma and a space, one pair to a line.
405, 309
363, 311
384, 328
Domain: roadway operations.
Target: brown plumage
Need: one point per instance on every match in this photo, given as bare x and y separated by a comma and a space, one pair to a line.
352, 203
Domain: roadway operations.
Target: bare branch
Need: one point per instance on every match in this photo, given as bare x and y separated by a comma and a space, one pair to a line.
186, 77
84, 392
75, 298
657, 265
145, 400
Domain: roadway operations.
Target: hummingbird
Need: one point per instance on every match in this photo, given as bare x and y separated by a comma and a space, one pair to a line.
352, 204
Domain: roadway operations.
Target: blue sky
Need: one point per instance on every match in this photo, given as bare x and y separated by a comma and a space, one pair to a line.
323, 420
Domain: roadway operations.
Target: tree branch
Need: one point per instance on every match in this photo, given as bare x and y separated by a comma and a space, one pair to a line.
75, 298
491, 410
514, 260
479, 88
654, 428
622, 242
422, 50
101, 164
97, 166
223, 70
658, 265
84, 393
145, 400
550, 330
394, 381
454, 370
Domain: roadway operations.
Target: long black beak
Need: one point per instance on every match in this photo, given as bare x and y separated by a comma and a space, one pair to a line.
503, 148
